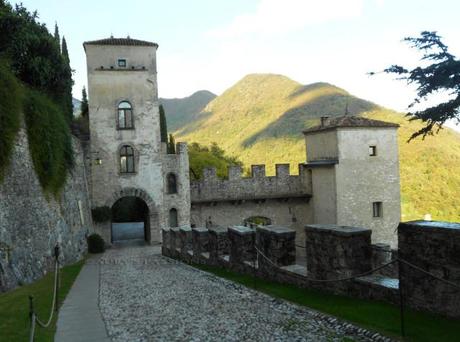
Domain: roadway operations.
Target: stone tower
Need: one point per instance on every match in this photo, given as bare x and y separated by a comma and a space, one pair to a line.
128, 159
355, 174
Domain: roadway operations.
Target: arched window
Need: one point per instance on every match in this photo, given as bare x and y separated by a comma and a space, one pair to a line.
125, 115
126, 159
173, 218
172, 183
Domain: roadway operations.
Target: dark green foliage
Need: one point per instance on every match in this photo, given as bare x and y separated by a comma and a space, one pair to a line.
50, 141
56, 34
213, 156
443, 75
96, 244
101, 214
35, 58
34, 54
163, 126
66, 96
10, 114
171, 145
84, 103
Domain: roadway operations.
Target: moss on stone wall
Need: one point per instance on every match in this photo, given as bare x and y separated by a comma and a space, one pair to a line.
50, 141
10, 114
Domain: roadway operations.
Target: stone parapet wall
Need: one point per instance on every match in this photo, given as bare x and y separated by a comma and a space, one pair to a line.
342, 253
32, 223
434, 247
336, 251
258, 186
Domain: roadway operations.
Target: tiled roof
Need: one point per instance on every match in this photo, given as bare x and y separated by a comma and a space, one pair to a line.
120, 41
349, 121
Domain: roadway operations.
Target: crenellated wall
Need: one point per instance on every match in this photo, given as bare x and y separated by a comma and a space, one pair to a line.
258, 186
340, 260
284, 199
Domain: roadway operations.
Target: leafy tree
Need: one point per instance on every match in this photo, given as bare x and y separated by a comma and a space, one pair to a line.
84, 103
34, 54
163, 125
441, 76
203, 156
172, 145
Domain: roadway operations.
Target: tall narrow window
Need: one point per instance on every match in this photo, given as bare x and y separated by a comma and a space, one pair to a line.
172, 183
126, 159
377, 209
173, 218
125, 115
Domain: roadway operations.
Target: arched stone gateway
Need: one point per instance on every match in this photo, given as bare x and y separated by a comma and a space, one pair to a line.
152, 223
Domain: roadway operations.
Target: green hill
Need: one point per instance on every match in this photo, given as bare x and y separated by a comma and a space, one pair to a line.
260, 120
180, 112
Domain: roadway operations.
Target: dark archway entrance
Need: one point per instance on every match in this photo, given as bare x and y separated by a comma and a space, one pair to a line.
130, 219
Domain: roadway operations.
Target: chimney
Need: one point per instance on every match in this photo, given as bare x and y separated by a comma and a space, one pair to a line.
324, 121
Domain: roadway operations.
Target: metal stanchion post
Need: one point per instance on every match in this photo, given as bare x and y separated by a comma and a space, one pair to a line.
401, 299
31, 307
56, 256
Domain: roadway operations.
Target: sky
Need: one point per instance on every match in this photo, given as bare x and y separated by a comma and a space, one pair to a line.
210, 44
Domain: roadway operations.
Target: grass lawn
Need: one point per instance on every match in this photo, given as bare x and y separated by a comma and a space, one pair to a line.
14, 306
376, 316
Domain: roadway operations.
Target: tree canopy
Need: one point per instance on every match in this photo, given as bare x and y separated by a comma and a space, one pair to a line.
84, 103
35, 55
438, 74
203, 156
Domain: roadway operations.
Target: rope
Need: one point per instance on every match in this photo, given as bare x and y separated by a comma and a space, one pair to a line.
334, 280
40, 323
428, 273
368, 272
32, 327
33, 316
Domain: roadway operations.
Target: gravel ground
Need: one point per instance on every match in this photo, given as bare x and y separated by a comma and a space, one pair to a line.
146, 297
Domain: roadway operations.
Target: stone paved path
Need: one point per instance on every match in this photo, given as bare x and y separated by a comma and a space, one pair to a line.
79, 317
147, 297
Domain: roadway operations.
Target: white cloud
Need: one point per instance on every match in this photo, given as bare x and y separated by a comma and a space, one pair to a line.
275, 16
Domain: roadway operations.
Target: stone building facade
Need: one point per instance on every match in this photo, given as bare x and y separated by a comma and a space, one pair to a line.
350, 178
127, 156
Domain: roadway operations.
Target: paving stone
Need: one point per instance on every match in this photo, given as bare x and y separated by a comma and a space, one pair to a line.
147, 297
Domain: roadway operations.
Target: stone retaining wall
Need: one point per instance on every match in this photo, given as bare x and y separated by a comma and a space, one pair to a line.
31, 223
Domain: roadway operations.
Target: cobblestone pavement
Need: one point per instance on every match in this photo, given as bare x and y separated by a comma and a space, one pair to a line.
147, 297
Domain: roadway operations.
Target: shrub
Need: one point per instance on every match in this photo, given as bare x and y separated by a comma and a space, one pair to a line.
101, 214
96, 244
10, 114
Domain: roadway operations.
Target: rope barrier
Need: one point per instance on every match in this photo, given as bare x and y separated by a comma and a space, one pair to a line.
333, 280
34, 320
365, 273
40, 323
428, 273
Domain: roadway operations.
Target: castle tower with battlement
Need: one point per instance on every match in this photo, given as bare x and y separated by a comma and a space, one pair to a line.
131, 172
